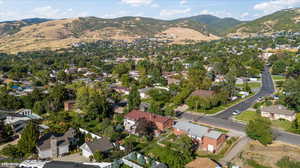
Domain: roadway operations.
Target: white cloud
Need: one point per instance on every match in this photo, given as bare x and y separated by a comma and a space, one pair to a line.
275, 5
183, 2
221, 14
137, 2
155, 5
173, 12
1, 2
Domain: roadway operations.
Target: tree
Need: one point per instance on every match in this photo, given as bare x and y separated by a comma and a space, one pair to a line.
141, 160
29, 138
134, 99
39, 108
11, 151
98, 156
260, 129
5, 132
145, 127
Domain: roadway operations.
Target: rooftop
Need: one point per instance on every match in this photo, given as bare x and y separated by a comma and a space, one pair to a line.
137, 114
203, 93
278, 109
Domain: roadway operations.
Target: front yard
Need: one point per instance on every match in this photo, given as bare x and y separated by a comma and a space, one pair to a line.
247, 116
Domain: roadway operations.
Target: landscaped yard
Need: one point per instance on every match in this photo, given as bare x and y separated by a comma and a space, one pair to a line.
251, 115
252, 85
278, 77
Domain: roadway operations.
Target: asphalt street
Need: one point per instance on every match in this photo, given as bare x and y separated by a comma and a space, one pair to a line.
266, 90
223, 119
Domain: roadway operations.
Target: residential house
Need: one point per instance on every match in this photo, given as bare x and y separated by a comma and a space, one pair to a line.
134, 160
160, 122
144, 92
202, 163
53, 145
121, 90
69, 105
207, 139
276, 112
172, 80
99, 145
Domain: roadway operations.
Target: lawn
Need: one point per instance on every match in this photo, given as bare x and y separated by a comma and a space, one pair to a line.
252, 85
246, 116
278, 77
251, 115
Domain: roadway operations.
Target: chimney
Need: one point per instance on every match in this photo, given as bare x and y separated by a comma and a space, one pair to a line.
53, 146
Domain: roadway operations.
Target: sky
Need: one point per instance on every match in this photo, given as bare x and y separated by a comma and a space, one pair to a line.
161, 9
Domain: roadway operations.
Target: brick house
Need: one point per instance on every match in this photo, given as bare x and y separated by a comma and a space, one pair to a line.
207, 139
160, 122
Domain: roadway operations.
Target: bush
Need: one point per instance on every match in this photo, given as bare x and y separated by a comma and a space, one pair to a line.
260, 129
286, 162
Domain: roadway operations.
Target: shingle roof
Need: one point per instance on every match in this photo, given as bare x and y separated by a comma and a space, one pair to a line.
101, 145
203, 93
191, 129
213, 134
62, 139
277, 109
137, 114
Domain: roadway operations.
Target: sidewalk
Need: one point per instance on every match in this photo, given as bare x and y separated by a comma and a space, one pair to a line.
235, 150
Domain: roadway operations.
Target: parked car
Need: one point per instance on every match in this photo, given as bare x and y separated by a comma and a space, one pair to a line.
236, 112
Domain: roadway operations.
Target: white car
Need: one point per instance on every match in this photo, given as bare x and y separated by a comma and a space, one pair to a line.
236, 112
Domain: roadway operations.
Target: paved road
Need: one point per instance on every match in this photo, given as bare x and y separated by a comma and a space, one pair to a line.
235, 150
223, 120
266, 90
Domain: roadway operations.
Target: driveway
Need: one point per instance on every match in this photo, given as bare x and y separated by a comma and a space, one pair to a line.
73, 158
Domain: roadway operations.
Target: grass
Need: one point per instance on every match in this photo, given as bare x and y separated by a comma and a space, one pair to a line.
251, 115
278, 77
247, 116
252, 85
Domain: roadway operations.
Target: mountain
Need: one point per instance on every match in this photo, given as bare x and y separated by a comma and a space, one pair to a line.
285, 20
55, 34
11, 27
216, 25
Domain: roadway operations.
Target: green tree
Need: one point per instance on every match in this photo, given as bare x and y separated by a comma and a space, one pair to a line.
134, 99
39, 108
29, 138
260, 129
287, 162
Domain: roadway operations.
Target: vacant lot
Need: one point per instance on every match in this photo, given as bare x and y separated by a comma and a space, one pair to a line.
266, 155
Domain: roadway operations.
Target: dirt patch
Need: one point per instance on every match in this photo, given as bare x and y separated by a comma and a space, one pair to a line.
297, 19
180, 35
266, 155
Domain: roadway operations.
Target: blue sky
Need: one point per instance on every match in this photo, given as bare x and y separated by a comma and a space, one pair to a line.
162, 9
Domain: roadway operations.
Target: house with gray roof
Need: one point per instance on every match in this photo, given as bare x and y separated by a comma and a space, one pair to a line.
99, 145
276, 112
52, 145
207, 138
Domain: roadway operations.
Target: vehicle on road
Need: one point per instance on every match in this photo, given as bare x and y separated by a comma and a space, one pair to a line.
236, 112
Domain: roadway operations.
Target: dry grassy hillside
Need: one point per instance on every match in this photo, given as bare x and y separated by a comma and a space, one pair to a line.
63, 33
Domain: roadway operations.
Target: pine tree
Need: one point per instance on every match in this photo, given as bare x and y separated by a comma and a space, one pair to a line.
134, 99
29, 138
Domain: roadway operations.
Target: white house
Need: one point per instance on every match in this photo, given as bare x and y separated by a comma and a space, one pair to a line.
276, 112
99, 145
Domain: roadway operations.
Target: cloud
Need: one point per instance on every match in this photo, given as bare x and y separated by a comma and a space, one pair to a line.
1, 2
137, 2
221, 14
155, 5
183, 2
173, 12
275, 5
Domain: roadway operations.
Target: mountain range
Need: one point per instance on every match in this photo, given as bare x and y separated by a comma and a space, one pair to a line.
38, 33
